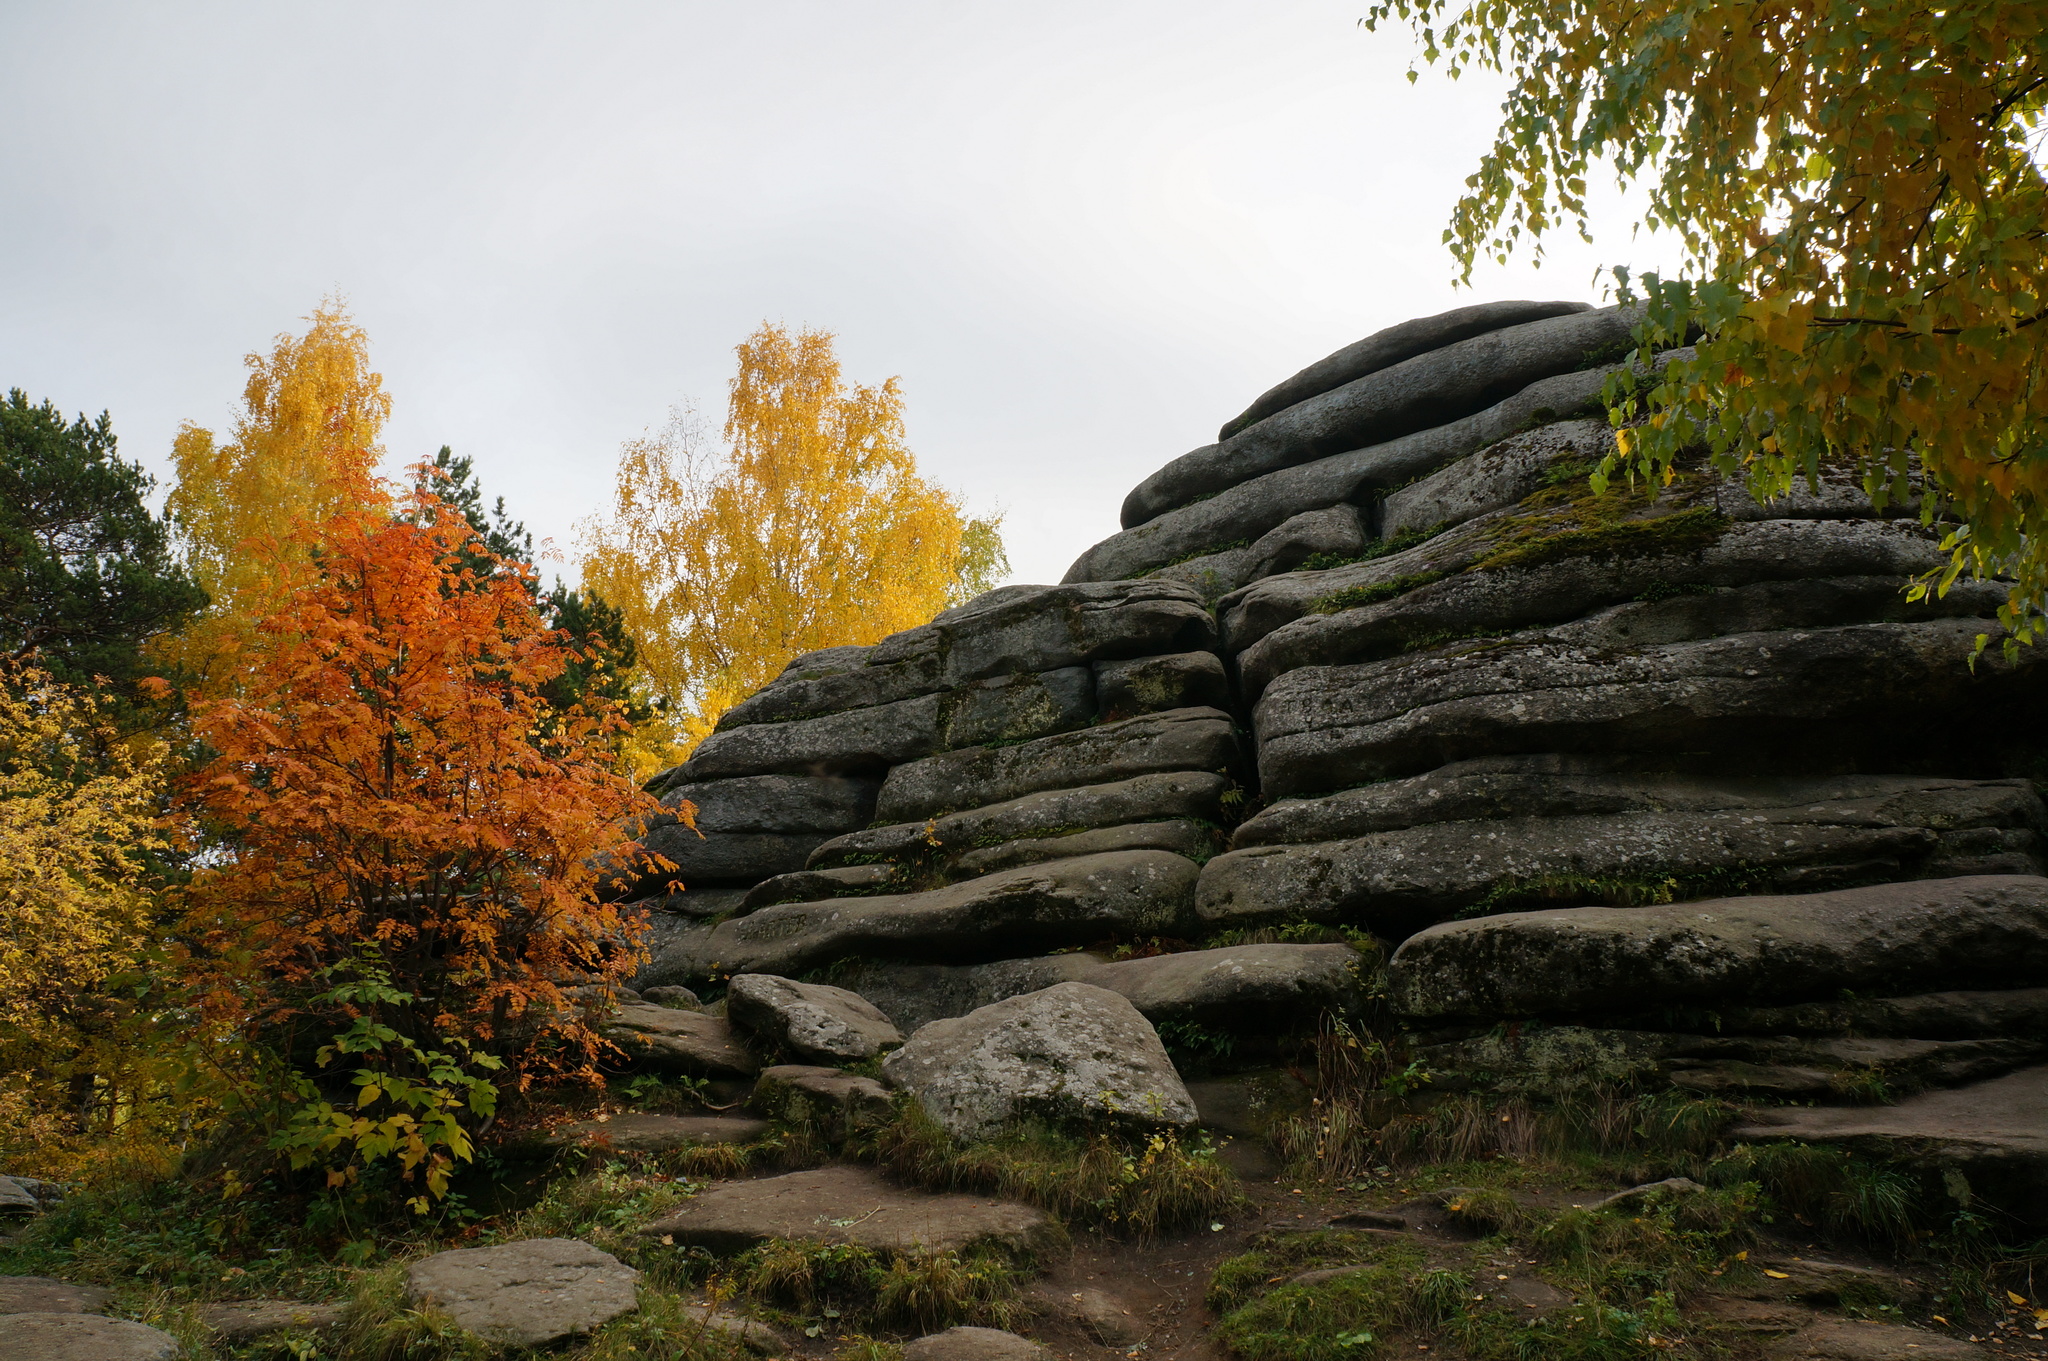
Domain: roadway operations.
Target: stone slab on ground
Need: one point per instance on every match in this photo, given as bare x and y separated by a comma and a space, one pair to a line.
975, 1344
238, 1321
844, 1204
1070, 1052
48, 1295
669, 1037
1994, 1133
847, 1097
749, 1333
1855, 1340
525, 1294
642, 1133
82, 1337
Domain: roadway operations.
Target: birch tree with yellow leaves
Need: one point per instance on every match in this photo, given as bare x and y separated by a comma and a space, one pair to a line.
1859, 187
306, 435
810, 529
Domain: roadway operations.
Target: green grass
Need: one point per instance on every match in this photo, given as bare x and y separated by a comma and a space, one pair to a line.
915, 1291
1356, 597
1678, 532
1131, 1185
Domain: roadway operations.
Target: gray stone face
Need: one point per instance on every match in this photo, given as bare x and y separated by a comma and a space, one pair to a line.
711, 858
915, 995
1887, 938
1045, 907
1640, 602
1555, 786
1190, 839
527, 1294
778, 803
1431, 390
83, 1337
1967, 1015
791, 1089
811, 1022
1384, 349
1855, 693
670, 910
1397, 882
671, 1038
1150, 685
1177, 740
820, 1206
1017, 708
1335, 532
238, 1321
808, 886
1496, 477
975, 1344
855, 741
1070, 1053
1249, 509
1144, 798
673, 945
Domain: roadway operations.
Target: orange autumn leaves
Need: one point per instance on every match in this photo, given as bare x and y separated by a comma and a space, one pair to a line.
389, 783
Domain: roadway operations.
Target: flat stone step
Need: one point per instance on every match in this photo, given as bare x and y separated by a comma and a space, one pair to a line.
82, 1337
845, 1204
1993, 1133
48, 1295
531, 1293
642, 1133
237, 1321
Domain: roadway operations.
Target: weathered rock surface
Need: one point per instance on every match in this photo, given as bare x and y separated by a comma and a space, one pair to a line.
975, 1344
812, 1022
808, 886
1149, 685
644, 1133
1177, 740
1994, 1133
1334, 533
48, 1295
754, 826
1940, 933
695, 904
1385, 348
531, 1293
789, 1089
1040, 907
1818, 694
689, 1041
1072, 1052
83, 1337
28, 1195
1182, 837
845, 1204
1396, 882
1430, 390
1260, 991
238, 1321
1861, 1340
1966, 1015
1162, 797
681, 998
1497, 477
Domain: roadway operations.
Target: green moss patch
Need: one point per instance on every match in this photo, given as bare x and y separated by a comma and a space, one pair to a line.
1679, 532
1372, 594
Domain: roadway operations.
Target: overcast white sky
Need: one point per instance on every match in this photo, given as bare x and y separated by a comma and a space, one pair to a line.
1083, 234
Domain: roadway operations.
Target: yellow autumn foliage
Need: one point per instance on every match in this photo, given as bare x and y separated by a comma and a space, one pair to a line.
78, 824
1859, 187
311, 415
811, 529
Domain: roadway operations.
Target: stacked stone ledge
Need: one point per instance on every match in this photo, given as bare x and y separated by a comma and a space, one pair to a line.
1385, 615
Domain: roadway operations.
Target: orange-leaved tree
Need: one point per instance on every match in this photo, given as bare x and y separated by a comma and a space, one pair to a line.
813, 529
406, 899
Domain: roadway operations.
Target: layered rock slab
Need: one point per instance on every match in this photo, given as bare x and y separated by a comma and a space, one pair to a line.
845, 1204
48, 1295
688, 1041
1071, 1053
1040, 907
812, 1022
532, 1293
1941, 933
83, 1337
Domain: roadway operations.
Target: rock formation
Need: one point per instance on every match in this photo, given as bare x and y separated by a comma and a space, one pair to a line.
1380, 662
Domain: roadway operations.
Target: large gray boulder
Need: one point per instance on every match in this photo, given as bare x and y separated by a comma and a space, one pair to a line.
1854, 695
1072, 1053
1433, 389
1888, 938
1396, 882
1042, 907
1150, 685
83, 1337
812, 1022
1499, 476
975, 1344
1383, 349
532, 1293
1166, 796
1334, 533
845, 1204
686, 1041
1177, 740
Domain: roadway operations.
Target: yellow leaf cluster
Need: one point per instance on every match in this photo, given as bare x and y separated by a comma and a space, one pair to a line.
307, 433
78, 822
811, 529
